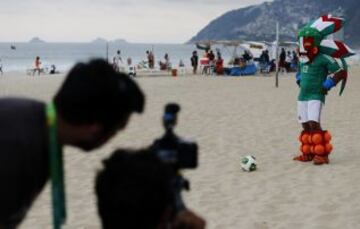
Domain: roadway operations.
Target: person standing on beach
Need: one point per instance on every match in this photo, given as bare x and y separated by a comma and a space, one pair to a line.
150, 58
219, 68
319, 73
167, 62
211, 56
194, 61
282, 60
288, 61
92, 105
118, 63
1, 67
37, 65
294, 61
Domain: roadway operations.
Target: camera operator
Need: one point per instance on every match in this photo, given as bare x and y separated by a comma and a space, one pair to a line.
134, 191
93, 103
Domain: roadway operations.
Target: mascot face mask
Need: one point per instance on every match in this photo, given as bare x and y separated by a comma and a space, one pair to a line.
309, 41
307, 49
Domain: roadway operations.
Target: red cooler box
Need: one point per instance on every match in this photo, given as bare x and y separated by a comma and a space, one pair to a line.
204, 61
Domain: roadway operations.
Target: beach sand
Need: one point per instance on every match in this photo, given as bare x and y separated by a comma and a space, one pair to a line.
229, 118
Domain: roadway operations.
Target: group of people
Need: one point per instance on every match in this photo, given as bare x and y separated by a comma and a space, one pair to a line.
288, 61
38, 68
119, 65
130, 68
243, 60
210, 64
92, 105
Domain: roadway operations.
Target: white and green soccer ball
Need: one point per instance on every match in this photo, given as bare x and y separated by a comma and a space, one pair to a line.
248, 163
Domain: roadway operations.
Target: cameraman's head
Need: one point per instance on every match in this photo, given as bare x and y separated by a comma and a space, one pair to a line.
133, 191
94, 102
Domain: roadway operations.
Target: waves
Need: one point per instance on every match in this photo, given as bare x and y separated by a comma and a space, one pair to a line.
65, 55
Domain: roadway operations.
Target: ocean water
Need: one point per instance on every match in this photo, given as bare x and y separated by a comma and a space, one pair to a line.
65, 55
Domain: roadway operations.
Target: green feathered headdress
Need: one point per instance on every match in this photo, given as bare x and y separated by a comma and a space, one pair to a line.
319, 30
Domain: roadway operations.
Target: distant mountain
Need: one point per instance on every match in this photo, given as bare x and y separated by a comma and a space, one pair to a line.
36, 40
257, 23
100, 40
121, 41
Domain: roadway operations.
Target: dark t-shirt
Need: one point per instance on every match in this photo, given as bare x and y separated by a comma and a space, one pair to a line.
211, 56
194, 60
282, 56
23, 157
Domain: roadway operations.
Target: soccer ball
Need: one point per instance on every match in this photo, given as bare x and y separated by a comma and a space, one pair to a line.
248, 163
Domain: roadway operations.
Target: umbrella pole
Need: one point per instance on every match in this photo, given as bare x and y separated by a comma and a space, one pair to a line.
277, 55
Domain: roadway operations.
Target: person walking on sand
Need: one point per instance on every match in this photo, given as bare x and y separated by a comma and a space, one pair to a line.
194, 61
37, 65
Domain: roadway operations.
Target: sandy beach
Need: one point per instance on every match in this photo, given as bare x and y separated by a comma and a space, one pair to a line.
229, 117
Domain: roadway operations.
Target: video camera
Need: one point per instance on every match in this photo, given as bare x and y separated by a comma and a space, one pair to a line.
171, 149
177, 153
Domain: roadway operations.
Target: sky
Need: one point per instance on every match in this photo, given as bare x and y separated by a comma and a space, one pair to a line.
138, 21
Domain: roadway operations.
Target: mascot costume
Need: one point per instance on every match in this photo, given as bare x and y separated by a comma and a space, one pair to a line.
322, 67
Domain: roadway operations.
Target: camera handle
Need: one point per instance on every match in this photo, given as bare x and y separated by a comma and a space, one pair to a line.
180, 183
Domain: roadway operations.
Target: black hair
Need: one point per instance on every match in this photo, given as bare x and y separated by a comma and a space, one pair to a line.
133, 190
95, 93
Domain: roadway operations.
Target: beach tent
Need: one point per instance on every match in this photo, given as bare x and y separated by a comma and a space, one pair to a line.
234, 47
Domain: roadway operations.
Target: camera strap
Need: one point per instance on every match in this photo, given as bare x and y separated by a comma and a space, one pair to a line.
56, 169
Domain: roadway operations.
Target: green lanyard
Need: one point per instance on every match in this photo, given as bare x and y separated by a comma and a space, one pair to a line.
56, 170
